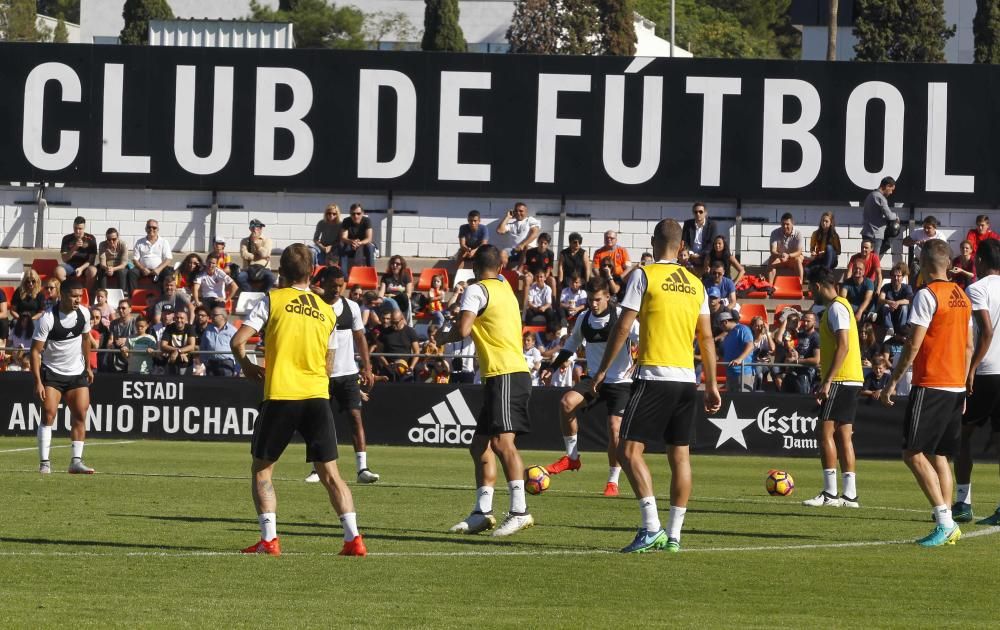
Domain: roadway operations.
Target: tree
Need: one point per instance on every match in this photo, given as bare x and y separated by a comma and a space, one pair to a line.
137, 14
316, 23
69, 9
618, 26
441, 29
901, 30
18, 19
986, 30
382, 25
831, 31
581, 28
60, 35
534, 27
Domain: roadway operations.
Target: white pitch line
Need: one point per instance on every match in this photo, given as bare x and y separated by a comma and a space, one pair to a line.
90, 444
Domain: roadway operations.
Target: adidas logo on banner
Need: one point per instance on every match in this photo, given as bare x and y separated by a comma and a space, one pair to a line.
678, 282
449, 422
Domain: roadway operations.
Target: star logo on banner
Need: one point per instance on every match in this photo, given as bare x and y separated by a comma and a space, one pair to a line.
731, 427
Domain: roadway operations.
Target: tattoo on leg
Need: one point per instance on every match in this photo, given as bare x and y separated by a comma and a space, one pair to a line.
265, 489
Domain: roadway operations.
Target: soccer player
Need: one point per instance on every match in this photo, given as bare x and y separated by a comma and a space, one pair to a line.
939, 347
296, 391
59, 351
671, 305
491, 315
345, 388
591, 330
983, 382
840, 367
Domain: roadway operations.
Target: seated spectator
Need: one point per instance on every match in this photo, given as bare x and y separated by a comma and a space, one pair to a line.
536, 260
326, 241
397, 338
202, 318
786, 249
357, 241
824, 244
150, 256
122, 329
103, 306
963, 267
858, 290
805, 355
173, 297
213, 286
615, 282
698, 235
684, 259
471, 237
916, 240
763, 350
98, 333
112, 261
573, 261
980, 233
737, 347
190, 268
538, 302
784, 345
435, 301
216, 337
140, 349
225, 260
28, 297
549, 342
871, 345
19, 339
177, 342
720, 253
870, 260
79, 254
876, 380
620, 262
717, 278
374, 307
397, 283
647, 258
573, 298
50, 293
714, 311
519, 231
894, 303
255, 250
463, 366
532, 356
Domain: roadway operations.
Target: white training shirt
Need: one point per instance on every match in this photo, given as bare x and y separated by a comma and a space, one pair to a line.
344, 363
922, 310
635, 287
840, 319
64, 356
474, 299
985, 296
213, 286
620, 370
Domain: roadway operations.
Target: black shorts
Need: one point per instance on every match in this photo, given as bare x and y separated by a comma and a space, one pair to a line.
62, 382
280, 419
842, 404
984, 404
659, 411
346, 392
613, 395
933, 421
505, 405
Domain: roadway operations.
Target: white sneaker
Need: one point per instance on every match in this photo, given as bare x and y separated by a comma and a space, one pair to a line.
367, 476
822, 500
45, 468
849, 503
474, 523
312, 478
514, 523
77, 467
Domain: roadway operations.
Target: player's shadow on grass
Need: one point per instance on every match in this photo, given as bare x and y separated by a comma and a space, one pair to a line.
831, 514
99, 543
211, 519
378, 533
755, 535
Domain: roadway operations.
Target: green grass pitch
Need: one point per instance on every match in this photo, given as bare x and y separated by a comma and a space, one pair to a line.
150, 542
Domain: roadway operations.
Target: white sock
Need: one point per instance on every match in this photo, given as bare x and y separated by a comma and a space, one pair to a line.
830, 481
676, 522
571, 448
613, 472
964, 493
350, 522
361, 460
518, 504
44, 442
850, 485
942, 514
268, 525
650, 517
77, 450
484, 499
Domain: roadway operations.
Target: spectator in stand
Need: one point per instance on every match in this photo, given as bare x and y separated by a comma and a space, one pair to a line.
225, 260
714, 311
871, 262
190, 268
805, 355
98, 332
763, 350
980, 233
894, 303
918, 238
213, 286
471, 237
202, 318
784, 345
536, 260
824, 244
717, 278
615, 283
463, 366
549, 342
28, 298
531, 356
177, 343
397, 338
50, 293
103, 307
737, 347
647, 258
698, 234
122, 329
435, 301
357, 294
521, 231
876, 215
871, 347
876, 380
573, 299
720, 253
326, 241
786, 249
4, 324
175, 298
79, 254
112, 261
963, 267
538, 302
216, 337
684, 259
397, 283
357, 241
858, 290
620, 262
255, 250
150, 256
140, 349
573, 261
19, 340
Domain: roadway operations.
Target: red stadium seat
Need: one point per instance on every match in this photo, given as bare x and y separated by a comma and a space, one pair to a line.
749, 311
44, 267
364, 277
787, 288
9, 294
428, 274
532, 329
85, 300
142, 299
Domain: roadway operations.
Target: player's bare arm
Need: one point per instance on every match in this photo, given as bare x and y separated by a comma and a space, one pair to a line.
239, 347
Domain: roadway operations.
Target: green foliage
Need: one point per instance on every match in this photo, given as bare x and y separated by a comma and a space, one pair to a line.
383, 25
316, 24
582, 27
441, 29
986, 29
137, 14
18, 20
901, 30
60, 35
535, 27
618, 26
69, 9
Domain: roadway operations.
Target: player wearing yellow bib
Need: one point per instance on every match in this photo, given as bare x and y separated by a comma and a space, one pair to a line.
299, 328
840, 367
672, 307
491, 315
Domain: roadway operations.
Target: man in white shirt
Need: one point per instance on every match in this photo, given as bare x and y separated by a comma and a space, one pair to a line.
150, 256
521, 231
213, 286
